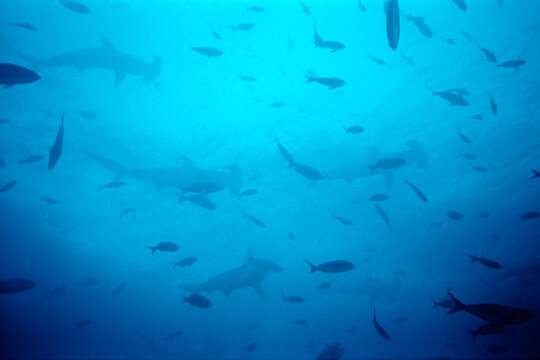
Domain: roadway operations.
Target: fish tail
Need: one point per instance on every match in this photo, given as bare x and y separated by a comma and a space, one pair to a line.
458, 305
312, 268
152, 248
473, 258
309, 78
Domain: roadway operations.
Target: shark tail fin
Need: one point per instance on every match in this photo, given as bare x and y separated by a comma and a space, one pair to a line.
457, 305
473, 258
152, 248
312, 268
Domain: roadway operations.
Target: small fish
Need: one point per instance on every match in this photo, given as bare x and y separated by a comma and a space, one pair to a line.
127, 211
386, 164
115, 184
328, 44
516, 64
291, 236
479, 169
361, 6
535, 174
493, 105
463, 137
207, 51
295, 299
254, 220
331, 267
455, 215
48, 200
391, 10
31, 159
55, 150
460, 4
380, 330
529, 215
15, 285
486, 262
251, 347
305, 9
420, 24
452, 97
277, 104
11, 74
200, 200
341, 219
173, 335
307, 171
187, 261
285, 153
247, 78
300, 322
376, 60
467, 36
383, 215
198, 301
417, 191
256, 8
8, 186
330, 82
164, 246
408, 59
248, 192
243, 27
83, 324
378, 197
490, 56
118, 289
24, 25
354, 129
76, 6
216, 35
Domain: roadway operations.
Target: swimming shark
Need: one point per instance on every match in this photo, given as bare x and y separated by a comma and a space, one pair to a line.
180, 177
248, 275
104, 57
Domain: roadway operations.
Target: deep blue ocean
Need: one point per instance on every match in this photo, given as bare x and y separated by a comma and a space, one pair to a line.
204, 179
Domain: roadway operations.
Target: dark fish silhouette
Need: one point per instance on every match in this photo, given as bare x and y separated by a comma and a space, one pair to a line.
305, 9
486, 262
307, 171
354, 129
256, 8
341, 219
31, 159
11, 74
386, 164
453, 97
327, 44
493, 313
529, 215
376, 60
165, 246
118, 289
361, 6
200, 200
60, 289
216, 35
56, 149
391, 9
408, 59
254, 220
460, 4
199, 301
15, 285
455, 215
300, 322
490, 56
420, 24
284, 153
515, 64
383, 215
243, 26
380, 330
115, 184
493, 105
248, 192
24, 25
332, 267
247, 78
331, 352
468, 156
2, 163
48, 200
187, 261
174, 335
3, 121
417, 191
535, 174
295, 299
330, 82
463, 138
378, 197
127, 211
207, 51
76, 6
325, 285
8, 186
479, 169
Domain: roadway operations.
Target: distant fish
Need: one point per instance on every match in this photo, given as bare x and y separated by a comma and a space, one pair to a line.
243, 27
467, 36
15, 285
515, 64
361, 6
486, 262
407, 59
479, 169
386, 164
216, 35
383, 215
331, 352
305, 9
31, 159
376, 60
254, 220
8, 186
199, 301
535, 174
284, 153
391, 9
341, 219
55, 150
380, 330
307, 171
11, 74
529, 215
173, 335
251, 347
277, 104
256, 8
378, 197
460, 4
463, 138
76, 6
477, 117
493, 105
118, 289
48, 200
490, 56
354, 129
334, 266
488, 329
200, 200
453, 97
420, 24
127, 211
248, 192
330, 82
295, 299
164, 246
187, 261
291, 236
301, 322
455, 215
24, 25
325, 285
83, 324
417, 191
115, 184
207, 51
327, 44
247, 78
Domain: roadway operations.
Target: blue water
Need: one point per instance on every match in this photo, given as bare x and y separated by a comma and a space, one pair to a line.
144, 127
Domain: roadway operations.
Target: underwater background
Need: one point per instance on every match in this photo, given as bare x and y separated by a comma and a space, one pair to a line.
269, 179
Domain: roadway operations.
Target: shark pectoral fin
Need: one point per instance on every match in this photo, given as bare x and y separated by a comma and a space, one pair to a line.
259, 290
119, 78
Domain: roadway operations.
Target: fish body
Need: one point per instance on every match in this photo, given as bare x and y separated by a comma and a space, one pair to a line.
331, 352
529, 215
331, 267
420, 24
493, 105
15, 285
380, 330
8, 186
285, 153
198, 301
115, 184
354, 129
391, 9
486, 262
488, 329
378, 197
535, 174
200, 200
490, 56
330, 82
56, 149
307, 171
454, 215
417, 191
24, 25
387, 164
254, 220
11, 74
383, 215
187, 261
341, 219
376, 60
174, 335
248, 192
461, 4
165, 246
127, 211
463, 137
243, 27
294, 299
76, 6
305, 9
60, 289
452, 97
207, 51
515, 64
327, 44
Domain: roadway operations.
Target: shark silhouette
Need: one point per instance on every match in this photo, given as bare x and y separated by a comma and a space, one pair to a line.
248, 275
178, 177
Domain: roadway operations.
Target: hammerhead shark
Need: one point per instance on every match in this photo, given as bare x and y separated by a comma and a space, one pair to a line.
180, 177
248, 275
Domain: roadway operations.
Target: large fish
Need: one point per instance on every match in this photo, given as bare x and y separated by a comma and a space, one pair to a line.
56, 149
11, 74
15, 285
391, 9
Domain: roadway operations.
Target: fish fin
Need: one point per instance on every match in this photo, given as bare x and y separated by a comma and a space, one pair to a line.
458, 305
259, 290
7, 86
152, 248
473, 258
535, 174
119, 78
312, 267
